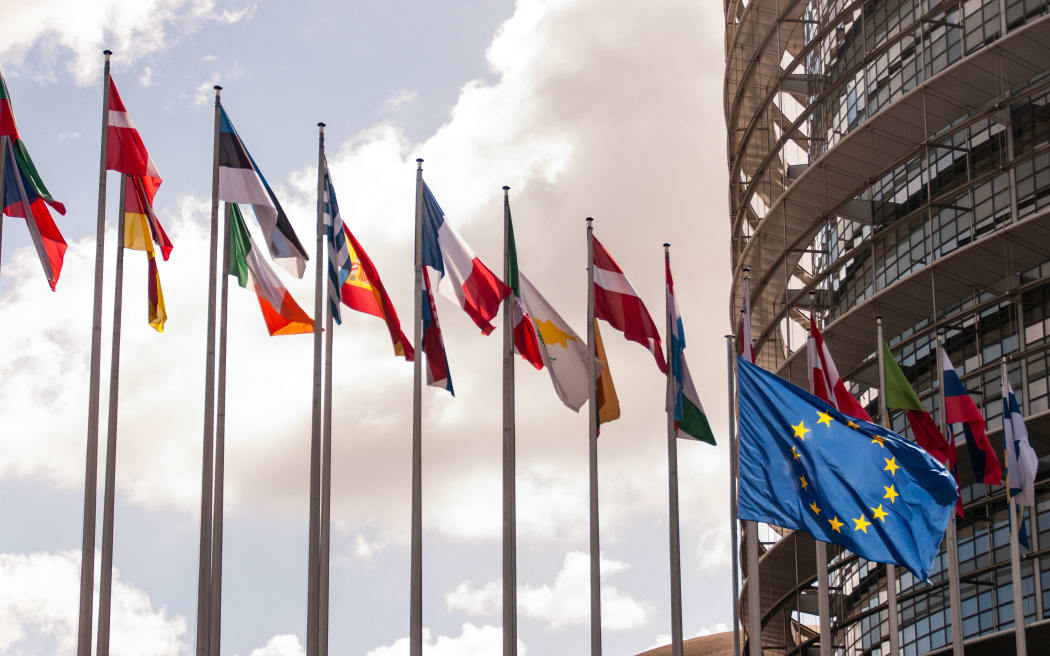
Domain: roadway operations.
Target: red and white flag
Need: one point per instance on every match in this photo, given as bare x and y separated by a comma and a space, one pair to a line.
824, 377
125, 151
616, 301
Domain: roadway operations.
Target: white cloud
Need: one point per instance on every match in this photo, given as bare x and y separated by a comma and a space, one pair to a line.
401, 97
39, 595
664, 639
479, 601
68, 135
146, 79
713, 549
280, 645
472, 641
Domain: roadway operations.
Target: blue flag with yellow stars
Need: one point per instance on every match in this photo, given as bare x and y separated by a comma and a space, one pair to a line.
806, 466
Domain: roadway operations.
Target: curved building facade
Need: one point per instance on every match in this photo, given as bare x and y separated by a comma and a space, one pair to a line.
892, 158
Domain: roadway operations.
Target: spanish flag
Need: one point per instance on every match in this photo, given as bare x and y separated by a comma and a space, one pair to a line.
363, 291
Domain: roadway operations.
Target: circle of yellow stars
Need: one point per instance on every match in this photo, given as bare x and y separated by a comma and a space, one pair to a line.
879, 513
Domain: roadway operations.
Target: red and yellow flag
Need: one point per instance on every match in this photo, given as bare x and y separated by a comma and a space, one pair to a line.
363, 291
141, 231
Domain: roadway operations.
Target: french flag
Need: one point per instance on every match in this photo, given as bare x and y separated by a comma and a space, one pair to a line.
960, 409
438, 374
464, 279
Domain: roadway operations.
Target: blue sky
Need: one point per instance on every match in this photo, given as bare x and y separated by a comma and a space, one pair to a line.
583, 107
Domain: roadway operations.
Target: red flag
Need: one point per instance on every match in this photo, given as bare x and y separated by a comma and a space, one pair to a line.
616, 301
125, 151
824, 377
363, 291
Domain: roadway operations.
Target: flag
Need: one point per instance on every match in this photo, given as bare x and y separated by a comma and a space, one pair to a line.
901, 396
463, 278
526, 339
562, 351
608, 402
125, 151
690, 420
241, 181
141, 231
824, 377
960, 408
25, 196
805, 465
282, 314
1021, 461
616, 301
438, 374
363, 291
745, 346
339, 264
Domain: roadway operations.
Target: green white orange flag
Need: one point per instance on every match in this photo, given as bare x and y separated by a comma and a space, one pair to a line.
282, 314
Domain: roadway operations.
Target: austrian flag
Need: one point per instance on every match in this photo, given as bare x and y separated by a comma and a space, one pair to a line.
125, 151
616, 301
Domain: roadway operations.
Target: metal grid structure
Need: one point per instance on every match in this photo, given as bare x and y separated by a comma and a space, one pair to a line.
893, 158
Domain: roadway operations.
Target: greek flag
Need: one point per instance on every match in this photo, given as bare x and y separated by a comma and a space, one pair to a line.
339, 264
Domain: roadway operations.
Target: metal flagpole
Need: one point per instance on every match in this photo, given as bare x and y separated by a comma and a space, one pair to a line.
891, 569
324, 551
510, 569
87, 548
215, 603
734, 528
313, 569
3, 162
1015, 549
823, 594
952, 547
105, 588
208, 441
754, 607
415, 633
672, 485
592, 456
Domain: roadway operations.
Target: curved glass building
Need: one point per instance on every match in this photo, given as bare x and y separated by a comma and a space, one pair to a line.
892, 158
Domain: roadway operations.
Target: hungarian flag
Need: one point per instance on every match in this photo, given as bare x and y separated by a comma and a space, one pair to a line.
463, 278
616, 301
26, 197
241, 181
960, 409
141, 231
526, 341
608, 402
745, 346
282, 314
438, 374
824, 377
125, 151
690, 420
562, 351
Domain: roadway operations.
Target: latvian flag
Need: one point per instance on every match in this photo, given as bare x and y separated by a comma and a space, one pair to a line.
960, 409
464, 279
824, 377
26, 197
438, 374
125, 151
690, 420
241, 181
616, 301
282, 314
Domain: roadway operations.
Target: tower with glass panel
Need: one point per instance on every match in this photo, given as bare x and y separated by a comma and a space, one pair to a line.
892, 158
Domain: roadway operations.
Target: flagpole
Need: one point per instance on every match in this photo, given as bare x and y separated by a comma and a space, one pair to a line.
313, 569
952, 547
87, 549
734, 529
754, 606
325, 528
823, 594
1015, 549
106, 575
218, 511
415, 634
672, 484
510, 569
891, 569
208, 441
592, 456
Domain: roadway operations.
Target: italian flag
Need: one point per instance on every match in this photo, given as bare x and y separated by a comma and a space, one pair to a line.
690, 420
526, 342
282, 314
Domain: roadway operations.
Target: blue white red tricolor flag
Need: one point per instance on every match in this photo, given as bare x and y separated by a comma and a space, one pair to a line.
960, 409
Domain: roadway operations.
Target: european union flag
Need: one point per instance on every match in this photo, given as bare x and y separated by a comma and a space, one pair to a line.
806, 466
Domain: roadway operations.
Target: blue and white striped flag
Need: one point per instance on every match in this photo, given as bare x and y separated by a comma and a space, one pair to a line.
1021, 461
339, 263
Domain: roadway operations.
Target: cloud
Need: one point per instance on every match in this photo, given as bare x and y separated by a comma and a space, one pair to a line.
38, 609
401, 97
713, 549
566, 602
146, 79
472, 641
664, 639
280, 645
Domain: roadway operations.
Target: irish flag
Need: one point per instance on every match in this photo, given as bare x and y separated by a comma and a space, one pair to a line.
282, 314
690, 420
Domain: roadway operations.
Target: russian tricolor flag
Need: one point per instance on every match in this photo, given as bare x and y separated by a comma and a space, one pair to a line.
464, 279
960, 409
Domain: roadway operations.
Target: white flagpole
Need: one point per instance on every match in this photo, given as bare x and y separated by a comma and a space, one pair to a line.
208, 442
105, 587
415, 633
891, 570
952, 546
87, 548
823, 594
592, 457
510, 570
313, 565
672, 485
324, 551
734, 527
1015, 549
